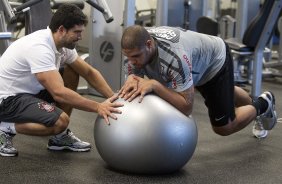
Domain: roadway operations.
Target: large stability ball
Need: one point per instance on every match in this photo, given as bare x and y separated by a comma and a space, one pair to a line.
151, 137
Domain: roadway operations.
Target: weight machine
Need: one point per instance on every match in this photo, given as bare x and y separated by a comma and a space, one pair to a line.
254, 42
9, 14
104, 49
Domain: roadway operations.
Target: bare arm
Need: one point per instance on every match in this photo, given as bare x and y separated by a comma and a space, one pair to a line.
53, 82
183, 101
92, 76
135, 86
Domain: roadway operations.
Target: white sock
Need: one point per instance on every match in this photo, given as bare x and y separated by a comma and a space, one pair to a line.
8, 127
61, 134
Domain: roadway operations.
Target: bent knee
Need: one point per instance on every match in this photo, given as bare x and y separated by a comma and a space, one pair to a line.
61, 124
223, 130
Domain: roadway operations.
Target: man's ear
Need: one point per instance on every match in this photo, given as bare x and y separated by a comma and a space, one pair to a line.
62, 29
149, 44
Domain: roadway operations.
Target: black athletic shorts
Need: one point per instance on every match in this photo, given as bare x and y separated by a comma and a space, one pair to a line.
219, 94
22, 108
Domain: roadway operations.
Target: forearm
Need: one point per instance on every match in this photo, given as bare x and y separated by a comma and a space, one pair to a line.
97, 81
70, 97
53, 82
182, 101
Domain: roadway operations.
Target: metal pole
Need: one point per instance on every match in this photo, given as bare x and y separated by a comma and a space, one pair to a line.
258, 57
241, 15
161, 13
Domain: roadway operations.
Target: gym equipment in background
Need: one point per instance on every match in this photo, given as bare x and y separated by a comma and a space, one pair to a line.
255, 39
10, 15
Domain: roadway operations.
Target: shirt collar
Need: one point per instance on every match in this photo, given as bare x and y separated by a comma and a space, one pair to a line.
53, 43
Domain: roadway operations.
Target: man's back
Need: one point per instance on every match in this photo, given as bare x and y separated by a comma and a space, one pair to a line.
206, 54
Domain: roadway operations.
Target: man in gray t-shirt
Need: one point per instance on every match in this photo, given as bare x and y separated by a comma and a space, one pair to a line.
176, 61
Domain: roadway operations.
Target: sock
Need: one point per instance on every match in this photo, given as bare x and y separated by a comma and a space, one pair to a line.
261, 105
61, 134
8, 127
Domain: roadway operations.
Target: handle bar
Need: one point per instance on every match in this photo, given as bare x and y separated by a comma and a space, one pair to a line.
104, 9
26, 5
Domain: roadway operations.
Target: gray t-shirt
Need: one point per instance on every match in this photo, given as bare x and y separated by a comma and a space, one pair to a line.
184, 58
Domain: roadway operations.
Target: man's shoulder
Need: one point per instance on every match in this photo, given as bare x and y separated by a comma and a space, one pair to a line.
35, 39
165, 34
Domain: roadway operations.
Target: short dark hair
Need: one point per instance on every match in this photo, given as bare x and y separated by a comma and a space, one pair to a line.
68, 15
134, 37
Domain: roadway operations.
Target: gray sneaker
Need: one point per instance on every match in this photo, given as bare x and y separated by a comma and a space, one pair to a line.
269, 118
6, 146
68, 142
258, 130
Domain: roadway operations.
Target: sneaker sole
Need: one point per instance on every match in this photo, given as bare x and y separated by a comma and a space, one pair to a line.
57, 148
8, 155
262, 136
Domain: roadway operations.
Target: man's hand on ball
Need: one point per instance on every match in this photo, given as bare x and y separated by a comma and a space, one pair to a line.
145, 86
129, 87
107, 108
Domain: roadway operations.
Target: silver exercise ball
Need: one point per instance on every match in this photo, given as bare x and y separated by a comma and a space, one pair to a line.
151, 137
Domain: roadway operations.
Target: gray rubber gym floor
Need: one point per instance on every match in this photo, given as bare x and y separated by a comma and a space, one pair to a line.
239, 158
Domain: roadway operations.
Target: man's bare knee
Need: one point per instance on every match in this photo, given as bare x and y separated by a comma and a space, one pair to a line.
223, 130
